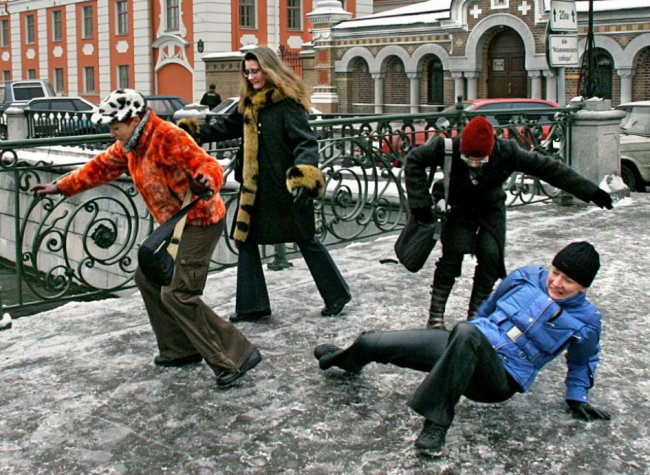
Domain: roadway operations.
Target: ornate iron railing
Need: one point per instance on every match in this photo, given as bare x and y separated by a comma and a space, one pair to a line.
85, 246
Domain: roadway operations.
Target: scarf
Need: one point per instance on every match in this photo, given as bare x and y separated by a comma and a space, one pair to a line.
135, 138
253, 103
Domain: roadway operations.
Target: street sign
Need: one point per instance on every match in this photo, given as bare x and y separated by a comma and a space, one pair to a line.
563, 50
563, 16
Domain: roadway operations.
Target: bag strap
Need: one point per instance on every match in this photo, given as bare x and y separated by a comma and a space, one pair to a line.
446, 169
172, 248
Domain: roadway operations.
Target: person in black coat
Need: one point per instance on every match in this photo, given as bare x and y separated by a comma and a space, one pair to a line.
278, 170
211, 98
476, 222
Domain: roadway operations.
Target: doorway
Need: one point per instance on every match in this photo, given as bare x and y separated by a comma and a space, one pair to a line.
507, 66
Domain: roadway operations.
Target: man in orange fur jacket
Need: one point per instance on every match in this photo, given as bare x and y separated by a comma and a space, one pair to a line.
165, 164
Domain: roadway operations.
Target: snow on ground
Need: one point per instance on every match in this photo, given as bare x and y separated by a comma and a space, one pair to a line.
79, 393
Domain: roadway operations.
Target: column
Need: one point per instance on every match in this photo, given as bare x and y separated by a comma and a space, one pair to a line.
325, 14
535, 84
414, 83
626, 84
551, 85
379, 92
459, 85
471, 77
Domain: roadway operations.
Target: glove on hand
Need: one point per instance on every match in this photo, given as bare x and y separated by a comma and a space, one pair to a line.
602, 199
192, 127
199, 184
423, 215
300, 197
587, 412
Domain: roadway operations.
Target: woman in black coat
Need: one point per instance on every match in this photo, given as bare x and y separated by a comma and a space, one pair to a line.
476, 222
279, 174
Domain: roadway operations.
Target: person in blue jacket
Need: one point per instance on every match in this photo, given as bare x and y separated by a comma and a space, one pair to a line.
532, 317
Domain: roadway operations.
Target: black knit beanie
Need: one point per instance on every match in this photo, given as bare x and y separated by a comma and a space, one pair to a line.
580, 261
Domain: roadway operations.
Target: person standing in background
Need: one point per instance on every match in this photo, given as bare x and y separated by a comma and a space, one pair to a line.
211, 98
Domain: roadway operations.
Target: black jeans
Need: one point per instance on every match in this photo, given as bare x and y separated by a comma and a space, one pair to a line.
460, 363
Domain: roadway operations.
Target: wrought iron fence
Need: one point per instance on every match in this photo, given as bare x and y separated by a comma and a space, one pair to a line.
85, 246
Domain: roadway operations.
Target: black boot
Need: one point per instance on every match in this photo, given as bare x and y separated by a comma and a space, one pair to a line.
439, 296
432, 439
480, 291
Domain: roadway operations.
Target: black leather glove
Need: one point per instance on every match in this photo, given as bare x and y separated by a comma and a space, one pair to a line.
587, 412
602, 199
423, 215
300, 197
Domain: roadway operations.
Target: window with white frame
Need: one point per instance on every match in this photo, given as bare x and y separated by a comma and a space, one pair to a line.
87, 22
123, 76
6, 75
4, 33
121, 17
31, 74
294, 14
89, 79
57, 25
29, 29
173, 15
59, 80
247, 13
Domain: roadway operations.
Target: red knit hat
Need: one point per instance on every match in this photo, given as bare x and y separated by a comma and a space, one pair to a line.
477, 138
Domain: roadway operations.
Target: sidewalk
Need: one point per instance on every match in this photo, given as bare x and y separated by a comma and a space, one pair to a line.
79, 393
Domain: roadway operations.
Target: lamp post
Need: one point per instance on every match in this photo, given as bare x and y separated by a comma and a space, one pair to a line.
588, 83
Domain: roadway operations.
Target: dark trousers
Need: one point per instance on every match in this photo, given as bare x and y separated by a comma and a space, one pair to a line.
460, 363
252, 294
487, 252
184, 325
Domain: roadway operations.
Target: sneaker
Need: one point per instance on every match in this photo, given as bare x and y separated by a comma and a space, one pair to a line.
432, 439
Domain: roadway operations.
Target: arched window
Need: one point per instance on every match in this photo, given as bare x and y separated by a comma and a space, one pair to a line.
603, 76
435, 75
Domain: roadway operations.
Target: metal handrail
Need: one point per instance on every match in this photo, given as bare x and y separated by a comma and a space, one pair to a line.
59, 243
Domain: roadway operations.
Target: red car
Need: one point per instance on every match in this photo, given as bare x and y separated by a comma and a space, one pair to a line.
417, 135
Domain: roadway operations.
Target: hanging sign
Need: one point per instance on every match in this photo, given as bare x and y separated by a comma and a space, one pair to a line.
563, 50
563, 16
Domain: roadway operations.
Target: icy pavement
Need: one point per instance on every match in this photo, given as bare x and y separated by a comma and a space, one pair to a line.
79, 393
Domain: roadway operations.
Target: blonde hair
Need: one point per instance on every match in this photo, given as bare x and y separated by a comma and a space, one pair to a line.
277, 74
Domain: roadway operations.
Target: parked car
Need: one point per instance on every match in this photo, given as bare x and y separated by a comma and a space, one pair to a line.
417, 135
164, 106
61, 115
225, 108
635, 145
23, 90
516, 105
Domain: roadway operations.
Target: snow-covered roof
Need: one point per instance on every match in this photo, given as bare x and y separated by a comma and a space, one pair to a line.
423, 12
434, 10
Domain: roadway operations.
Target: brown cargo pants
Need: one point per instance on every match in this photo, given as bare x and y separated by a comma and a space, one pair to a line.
183, 324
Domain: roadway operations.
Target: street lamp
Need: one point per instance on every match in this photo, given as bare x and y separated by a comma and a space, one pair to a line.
200, 45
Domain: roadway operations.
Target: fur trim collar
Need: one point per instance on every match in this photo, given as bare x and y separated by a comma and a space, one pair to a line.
253, 103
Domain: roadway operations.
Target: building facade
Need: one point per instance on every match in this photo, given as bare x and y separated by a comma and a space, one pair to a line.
90, 47
423, 56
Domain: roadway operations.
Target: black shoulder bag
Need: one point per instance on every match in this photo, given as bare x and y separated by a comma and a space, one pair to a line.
157, 252
416, 241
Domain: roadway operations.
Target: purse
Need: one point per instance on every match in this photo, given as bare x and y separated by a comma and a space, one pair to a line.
157, 252
416, 241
